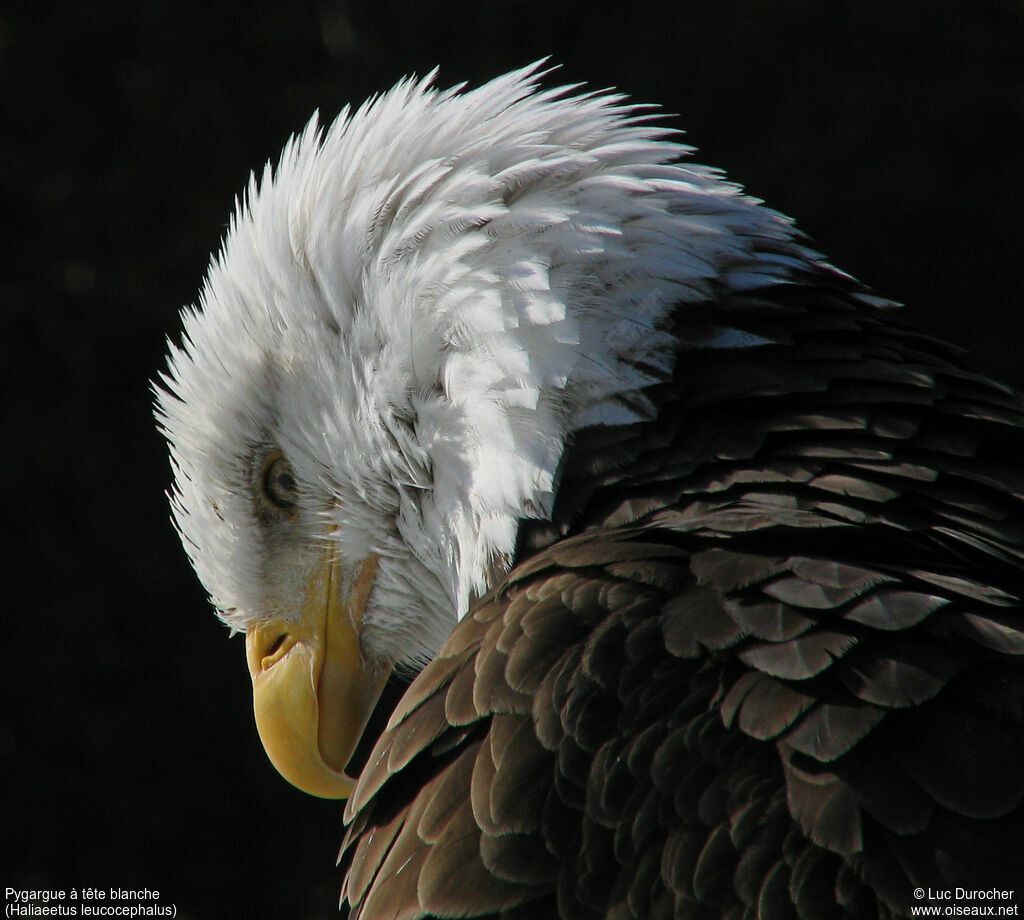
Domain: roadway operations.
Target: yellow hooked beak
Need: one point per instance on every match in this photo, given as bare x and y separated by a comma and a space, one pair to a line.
312, 690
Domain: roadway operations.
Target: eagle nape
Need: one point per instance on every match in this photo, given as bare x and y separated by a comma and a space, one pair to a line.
709, 565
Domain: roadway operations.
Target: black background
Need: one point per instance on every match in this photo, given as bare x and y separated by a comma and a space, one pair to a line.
128, 758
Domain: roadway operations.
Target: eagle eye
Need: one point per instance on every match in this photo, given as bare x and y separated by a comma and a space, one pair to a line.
278, 482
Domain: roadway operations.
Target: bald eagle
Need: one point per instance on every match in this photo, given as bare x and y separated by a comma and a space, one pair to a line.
708, 565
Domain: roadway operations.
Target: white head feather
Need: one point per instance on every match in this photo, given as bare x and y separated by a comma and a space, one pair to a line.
418, 307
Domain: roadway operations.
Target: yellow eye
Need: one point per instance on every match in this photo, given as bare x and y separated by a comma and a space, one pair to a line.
278, 482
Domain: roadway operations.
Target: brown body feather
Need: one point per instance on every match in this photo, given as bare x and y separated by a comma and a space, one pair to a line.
763, 662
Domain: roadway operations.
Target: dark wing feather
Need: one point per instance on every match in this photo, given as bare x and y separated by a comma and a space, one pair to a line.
764, 661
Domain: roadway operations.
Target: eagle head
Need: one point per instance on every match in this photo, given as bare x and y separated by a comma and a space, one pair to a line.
409, 318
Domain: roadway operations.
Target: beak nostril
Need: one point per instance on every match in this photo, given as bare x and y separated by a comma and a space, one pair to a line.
275, 647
